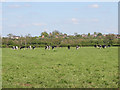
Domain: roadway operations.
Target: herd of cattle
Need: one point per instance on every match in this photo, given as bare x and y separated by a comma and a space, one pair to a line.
48, 47
101, 46
23, 47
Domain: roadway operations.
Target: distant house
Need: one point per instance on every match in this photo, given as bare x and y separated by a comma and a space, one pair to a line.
83, 35
94, 35
56, 36
65, 35
15, 37
104, 35
42, 36
118, 35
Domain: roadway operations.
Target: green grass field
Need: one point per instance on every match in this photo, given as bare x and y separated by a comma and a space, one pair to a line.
86, 67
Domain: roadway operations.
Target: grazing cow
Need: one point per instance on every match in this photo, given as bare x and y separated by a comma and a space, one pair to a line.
13, 47
33, 47
22, 47
56, 46
103, 46
47, 47
16, 47
108, 46
53, 47
29, 47
99, 46
95, 46
77, 47
68, 46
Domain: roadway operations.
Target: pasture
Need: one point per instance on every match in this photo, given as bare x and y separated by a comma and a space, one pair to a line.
86, 67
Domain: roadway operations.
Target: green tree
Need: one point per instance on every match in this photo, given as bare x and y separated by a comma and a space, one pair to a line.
65, 34
28, 39
55, 32
88, 34
99, 34
95, 33
44, 33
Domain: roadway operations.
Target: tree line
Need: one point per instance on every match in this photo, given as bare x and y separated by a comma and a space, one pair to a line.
57, 38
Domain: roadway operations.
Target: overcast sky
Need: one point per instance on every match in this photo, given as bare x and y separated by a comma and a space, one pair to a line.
21, 18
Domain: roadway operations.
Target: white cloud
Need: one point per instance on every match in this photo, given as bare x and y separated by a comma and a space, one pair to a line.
19, 6
76, 9
24, 25
19, 25
20, 17
39, 24
75, 21
94, 6
27, 5
2, 0
95, 20
14, 6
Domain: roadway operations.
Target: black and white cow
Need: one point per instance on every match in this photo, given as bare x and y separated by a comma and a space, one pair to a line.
33, 47
103, 46
77, 47
95, 46
68, 46
99, 46
22, 47
47, 47
109, 46
15, 47
53, 47
29, 47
